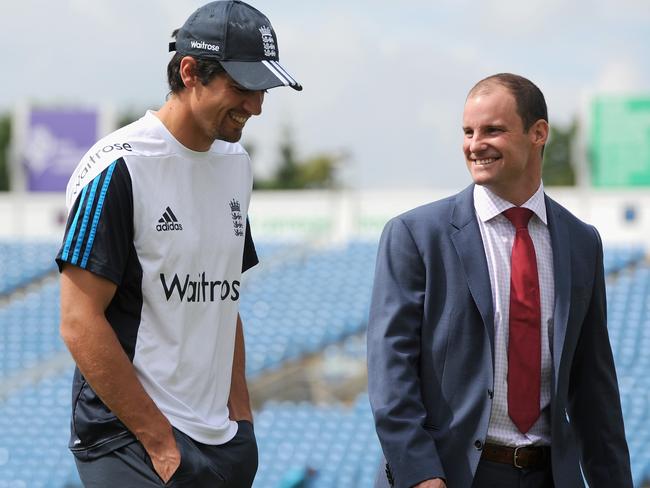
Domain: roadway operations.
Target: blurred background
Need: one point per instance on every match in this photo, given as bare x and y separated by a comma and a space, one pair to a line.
376, 130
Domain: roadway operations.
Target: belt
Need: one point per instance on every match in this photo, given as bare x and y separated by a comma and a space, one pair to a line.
528, 457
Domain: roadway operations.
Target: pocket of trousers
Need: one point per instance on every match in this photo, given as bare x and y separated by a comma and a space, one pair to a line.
139, 449
248, 442
195, 470
245, 435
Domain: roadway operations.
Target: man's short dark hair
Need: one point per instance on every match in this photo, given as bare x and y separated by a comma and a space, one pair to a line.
206, 70
529, 99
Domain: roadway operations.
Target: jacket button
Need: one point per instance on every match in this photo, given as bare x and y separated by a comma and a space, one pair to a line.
490, 393
478, 444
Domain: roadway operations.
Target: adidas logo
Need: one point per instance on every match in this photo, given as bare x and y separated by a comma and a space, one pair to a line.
168, 221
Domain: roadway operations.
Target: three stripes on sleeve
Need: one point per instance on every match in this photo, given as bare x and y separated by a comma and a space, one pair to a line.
81, 233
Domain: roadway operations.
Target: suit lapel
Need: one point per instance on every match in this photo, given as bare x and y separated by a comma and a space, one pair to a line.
560, 242
468, 243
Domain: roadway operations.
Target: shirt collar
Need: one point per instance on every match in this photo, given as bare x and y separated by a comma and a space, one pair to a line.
488, 205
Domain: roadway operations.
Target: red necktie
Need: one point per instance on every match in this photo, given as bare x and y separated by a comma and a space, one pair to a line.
524, 343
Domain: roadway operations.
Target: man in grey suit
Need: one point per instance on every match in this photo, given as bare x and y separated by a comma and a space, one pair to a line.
489, 360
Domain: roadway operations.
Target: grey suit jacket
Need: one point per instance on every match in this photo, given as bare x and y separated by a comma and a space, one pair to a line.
431, 351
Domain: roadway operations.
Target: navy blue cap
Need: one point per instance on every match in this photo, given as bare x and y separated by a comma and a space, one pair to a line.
241, 38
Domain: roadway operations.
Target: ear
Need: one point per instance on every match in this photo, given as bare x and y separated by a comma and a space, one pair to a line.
188, 71
539, 132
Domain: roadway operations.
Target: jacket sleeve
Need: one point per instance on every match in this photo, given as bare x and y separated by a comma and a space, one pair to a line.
594, 403
394, 342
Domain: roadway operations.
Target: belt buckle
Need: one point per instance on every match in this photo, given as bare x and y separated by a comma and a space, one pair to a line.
514, 458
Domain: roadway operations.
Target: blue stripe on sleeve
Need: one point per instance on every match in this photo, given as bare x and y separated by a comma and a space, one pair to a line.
84, 222
73, 226
98, 212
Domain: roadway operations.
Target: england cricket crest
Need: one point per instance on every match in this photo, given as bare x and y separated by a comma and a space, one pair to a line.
237, 220
268, 42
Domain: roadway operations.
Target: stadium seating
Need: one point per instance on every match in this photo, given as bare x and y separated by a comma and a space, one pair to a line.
629, 328
34, 431
301, 307
293, 310
29, 329
299, 301
619, 257
338, 443
22, 262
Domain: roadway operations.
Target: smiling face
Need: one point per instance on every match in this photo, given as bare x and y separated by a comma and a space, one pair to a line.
200, 113
499, 153
222, 107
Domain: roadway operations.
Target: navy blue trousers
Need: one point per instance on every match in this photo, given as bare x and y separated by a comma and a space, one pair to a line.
498, 475
229, 465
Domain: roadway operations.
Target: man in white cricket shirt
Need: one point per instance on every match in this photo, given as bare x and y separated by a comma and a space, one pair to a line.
156, 241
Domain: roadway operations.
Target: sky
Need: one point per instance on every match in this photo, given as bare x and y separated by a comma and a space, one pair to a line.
384, 82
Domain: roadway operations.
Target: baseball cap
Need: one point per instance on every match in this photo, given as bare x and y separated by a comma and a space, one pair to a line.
241, 38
